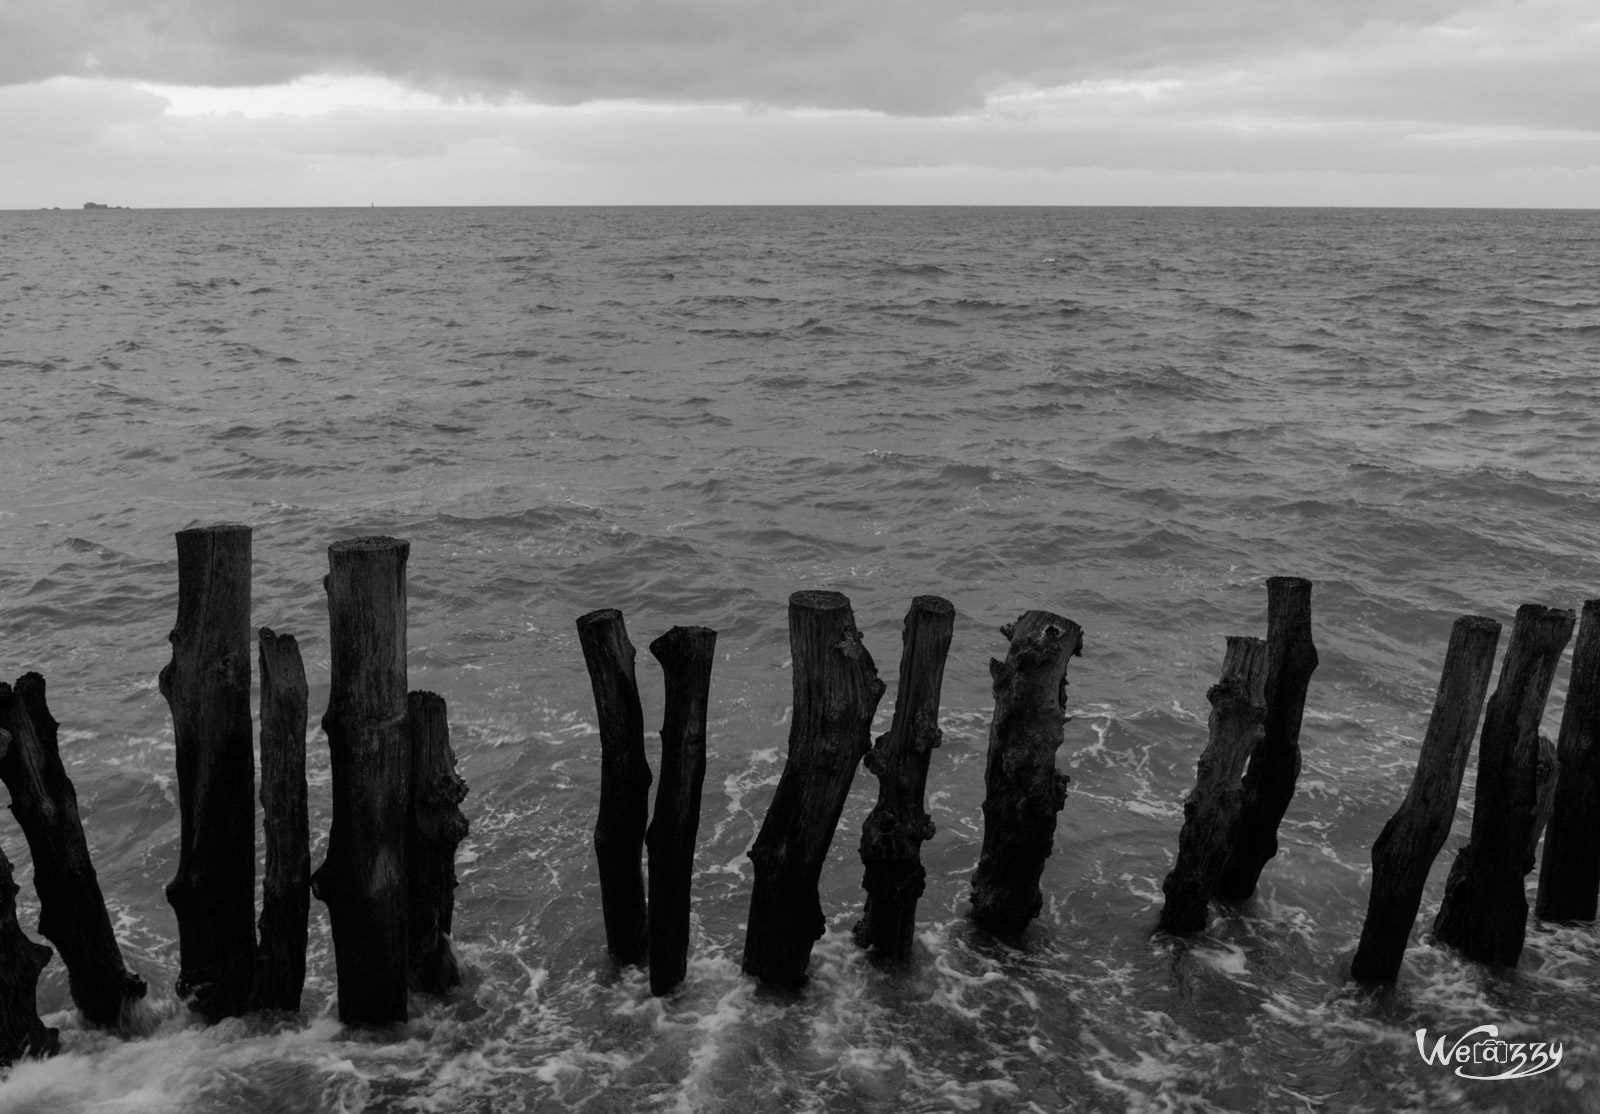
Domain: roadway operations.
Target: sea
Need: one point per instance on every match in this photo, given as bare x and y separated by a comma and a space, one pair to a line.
1131, 417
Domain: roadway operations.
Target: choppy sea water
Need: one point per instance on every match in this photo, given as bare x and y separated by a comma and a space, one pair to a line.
1131, 417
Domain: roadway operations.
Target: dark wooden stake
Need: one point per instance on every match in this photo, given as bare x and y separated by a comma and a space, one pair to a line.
207, 687
437, 828
1275, 765
892, 837
1569, 876
21, 960
364, 878
286, 882
72, 910
1023, 790
624, 784
1238, 707
836, 692
1485, 912
686, 655
1410, 841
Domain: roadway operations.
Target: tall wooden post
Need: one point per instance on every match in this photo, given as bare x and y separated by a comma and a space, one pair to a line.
836, 691
437, 828
286, 883
364, 878
1569, 877
21, 960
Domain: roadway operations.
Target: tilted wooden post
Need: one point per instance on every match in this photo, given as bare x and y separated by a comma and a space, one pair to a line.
836, 692
437, 828
686, 655
1484, 914
72, 910
1274, 767
892, 837
207, 687
1023, 790
364, 878
21, 960
286, 881
1569, 876
1410, 841
1238, 707
624, 784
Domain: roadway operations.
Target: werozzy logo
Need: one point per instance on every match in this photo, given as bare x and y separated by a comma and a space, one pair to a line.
1515, 1059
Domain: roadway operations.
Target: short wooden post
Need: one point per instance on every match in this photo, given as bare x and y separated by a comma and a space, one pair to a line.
286, 881
1410, 841
363, 880
207, 687
72, 910
892, 837
686, 655
21, 960
1238, 707
836, 692
437, 828
1569, 876
1023, 790
1484, 914
624, 784
1275, 765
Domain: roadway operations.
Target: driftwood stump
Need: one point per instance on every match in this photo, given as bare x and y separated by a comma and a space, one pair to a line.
363, 880
72, 910
1569, 876
21, 960
1410, 841
280, 973
686, 655
624, 784
836, 691
1023, 790
892, 837
1275, 765
1485, 911
1238, 707
207, 687
437, 829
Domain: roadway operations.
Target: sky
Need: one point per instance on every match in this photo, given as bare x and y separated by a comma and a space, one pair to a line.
158, 103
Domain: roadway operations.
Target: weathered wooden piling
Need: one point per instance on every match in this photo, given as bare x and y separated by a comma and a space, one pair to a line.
280, 973
1238, 709
624, 784
1485, 912
21, 960
1274, 767
1410, 841
686, 655
364, 879
437, 828
836, 691
892, 837
207, 687
72, 910
1023, 790
1569, 876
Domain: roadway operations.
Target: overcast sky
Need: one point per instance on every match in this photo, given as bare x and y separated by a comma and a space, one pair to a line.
439, 102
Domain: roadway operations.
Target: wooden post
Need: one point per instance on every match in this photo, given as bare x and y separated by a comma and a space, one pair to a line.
1023, 790
686, 655
21, 960
1569, 877
286, 883
892, 837
437, 829
1410, 841
1238, 707
207, 687
364, 878
624, 783
836, 691
1275, 765
72, 910
1485, 912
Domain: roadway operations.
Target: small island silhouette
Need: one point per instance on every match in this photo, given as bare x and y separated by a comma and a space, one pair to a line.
98, 205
